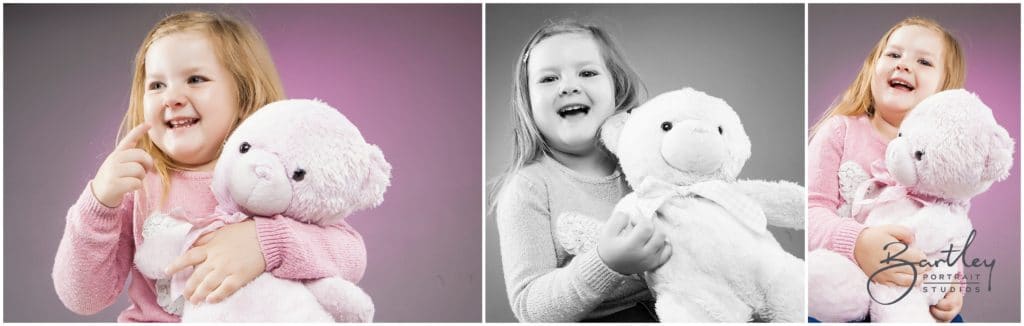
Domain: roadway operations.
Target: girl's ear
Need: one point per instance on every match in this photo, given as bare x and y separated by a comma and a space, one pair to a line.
611, 129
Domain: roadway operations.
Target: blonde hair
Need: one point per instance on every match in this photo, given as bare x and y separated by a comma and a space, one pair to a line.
529, 144
858, 100
238, 46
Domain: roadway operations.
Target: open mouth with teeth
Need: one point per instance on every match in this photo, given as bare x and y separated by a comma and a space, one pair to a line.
901, 84
573, 109
181, 123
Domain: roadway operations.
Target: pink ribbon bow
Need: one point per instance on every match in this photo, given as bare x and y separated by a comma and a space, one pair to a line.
889, 190
652, 194
200, 225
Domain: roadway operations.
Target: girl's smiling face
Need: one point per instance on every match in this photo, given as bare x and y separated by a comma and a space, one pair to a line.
190, 99
910, 69
571, 91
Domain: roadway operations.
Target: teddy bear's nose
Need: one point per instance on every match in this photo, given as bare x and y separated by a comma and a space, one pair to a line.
701, 130
261, 171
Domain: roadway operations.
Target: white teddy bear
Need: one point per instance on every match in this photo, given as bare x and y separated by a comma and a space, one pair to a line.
301, 159
949, 149
681, 153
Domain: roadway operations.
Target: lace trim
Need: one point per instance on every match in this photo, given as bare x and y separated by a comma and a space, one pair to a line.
851, 175
163, 298
576, 233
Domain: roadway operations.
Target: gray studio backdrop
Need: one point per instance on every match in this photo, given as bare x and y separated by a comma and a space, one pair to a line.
751, 55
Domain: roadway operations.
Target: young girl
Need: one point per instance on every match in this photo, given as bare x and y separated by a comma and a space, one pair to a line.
197, 76
570, 77
914, 59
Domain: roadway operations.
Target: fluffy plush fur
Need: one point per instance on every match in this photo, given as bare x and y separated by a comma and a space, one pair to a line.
681, 152
949, 149
297, 158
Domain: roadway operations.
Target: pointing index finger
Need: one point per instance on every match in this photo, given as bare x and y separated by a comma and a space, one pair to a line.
132, 138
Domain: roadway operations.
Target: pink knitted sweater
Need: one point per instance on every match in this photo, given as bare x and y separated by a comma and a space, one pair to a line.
839, 139
96, 252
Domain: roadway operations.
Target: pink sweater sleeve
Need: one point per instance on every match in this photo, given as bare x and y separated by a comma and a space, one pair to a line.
95, 254
825, 228
298, 251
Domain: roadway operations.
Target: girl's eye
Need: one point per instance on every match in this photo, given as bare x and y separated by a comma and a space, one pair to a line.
155, 86
925, 62
893, 55
548, 79
588, 73
196, 79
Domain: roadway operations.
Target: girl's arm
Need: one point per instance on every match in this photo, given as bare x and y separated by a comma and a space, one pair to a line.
95, 254
825, 229
299, 251
538, 290
230, 257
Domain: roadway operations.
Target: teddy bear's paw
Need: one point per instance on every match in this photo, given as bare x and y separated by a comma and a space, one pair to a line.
345, 301
911, 308
835, 288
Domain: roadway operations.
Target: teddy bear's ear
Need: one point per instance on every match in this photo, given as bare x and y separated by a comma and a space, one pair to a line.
1000, 158
377, 178
612, 128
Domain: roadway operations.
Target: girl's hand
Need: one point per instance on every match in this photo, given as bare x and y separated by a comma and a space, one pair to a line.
869, 255
630, 249
123, 170
224, 261
948, 307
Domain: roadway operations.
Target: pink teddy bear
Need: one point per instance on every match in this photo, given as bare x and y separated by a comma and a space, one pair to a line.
297, 158
949, 149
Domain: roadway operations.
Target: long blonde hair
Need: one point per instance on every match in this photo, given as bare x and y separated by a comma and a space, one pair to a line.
238, 46
529, 144
858, 100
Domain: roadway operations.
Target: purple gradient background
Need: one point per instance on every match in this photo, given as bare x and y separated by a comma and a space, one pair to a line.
407, 75
839, 38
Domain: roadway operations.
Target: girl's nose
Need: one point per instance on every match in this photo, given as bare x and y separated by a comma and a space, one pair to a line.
174, 99
570, 88
900, 66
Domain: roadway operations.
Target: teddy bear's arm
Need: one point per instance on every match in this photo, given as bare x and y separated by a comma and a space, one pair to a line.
346, 302
299, 251
782, 201
94, 256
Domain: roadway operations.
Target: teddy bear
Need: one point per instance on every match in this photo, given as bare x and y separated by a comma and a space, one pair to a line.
681, 153
949, 149
301, 159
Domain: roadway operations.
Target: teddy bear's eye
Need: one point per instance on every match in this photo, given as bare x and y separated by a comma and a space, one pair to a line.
918, 154
666, 126
719, 130
299, 174
899, 134
244, 148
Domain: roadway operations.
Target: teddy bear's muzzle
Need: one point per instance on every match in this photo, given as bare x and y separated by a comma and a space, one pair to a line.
900, 161
694, 146
260, 184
